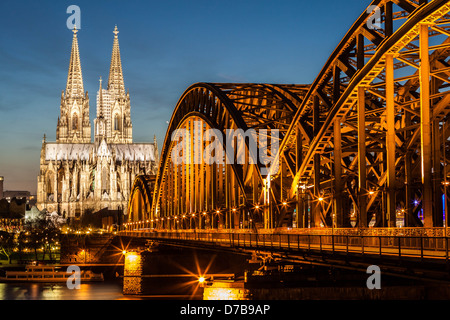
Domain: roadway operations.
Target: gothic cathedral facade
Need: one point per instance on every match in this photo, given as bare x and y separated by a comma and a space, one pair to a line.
78, 175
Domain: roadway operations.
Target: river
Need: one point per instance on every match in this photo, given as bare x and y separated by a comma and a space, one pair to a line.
108, 290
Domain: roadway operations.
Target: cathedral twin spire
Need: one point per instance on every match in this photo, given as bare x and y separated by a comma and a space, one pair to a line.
74, 86
115, 80
73, 123
113, 121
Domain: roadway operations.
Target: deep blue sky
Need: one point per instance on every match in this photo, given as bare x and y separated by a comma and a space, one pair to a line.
165, 47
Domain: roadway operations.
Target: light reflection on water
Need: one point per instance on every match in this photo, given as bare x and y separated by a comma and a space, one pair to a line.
50, 291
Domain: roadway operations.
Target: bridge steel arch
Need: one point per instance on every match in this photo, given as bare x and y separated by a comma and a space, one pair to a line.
140, 200
364, 145
371, 133
222, 194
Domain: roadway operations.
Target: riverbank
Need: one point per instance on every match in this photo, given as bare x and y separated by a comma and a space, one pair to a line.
26, 258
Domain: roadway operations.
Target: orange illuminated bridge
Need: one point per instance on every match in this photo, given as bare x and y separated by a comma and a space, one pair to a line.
361, 162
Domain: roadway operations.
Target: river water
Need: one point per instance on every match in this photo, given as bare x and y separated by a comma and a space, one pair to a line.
108, 290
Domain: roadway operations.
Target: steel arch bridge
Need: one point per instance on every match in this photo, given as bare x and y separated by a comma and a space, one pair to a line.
364, 145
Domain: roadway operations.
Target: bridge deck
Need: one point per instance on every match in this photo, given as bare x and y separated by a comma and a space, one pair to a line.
399, 246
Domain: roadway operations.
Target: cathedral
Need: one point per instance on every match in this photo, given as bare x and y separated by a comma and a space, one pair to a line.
79, 174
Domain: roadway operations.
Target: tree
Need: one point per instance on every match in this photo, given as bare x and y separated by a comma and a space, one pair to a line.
34, 242
21, 243
44, 236
49, 236
17, 208
6, 244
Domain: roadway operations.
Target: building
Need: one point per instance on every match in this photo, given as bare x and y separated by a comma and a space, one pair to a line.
79, 175
8, 195
12, 214
1, 188
11, 194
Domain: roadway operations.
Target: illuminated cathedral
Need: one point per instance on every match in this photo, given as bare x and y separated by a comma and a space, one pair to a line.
79, 174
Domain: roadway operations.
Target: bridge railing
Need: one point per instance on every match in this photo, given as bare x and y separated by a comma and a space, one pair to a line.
382, 245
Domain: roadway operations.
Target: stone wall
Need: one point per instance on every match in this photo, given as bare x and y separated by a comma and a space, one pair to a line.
94, 248
224, 290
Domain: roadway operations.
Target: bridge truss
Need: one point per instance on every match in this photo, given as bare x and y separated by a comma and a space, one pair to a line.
364, 145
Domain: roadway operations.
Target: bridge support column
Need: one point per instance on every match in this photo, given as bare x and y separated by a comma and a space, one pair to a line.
337, 215
220, 192
316, 217
213, 194
256, 211
300, 218
437, 178
317, 213
444, 152
362, 192
183, 194
208, 188
227, 197
425, 127
390, 140
437, 143
267, 204
191, 172
338, 218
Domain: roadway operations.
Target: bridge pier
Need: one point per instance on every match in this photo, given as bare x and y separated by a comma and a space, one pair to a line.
132, 272
156, 269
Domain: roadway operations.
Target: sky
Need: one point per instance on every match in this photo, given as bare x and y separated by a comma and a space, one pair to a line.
165, 47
